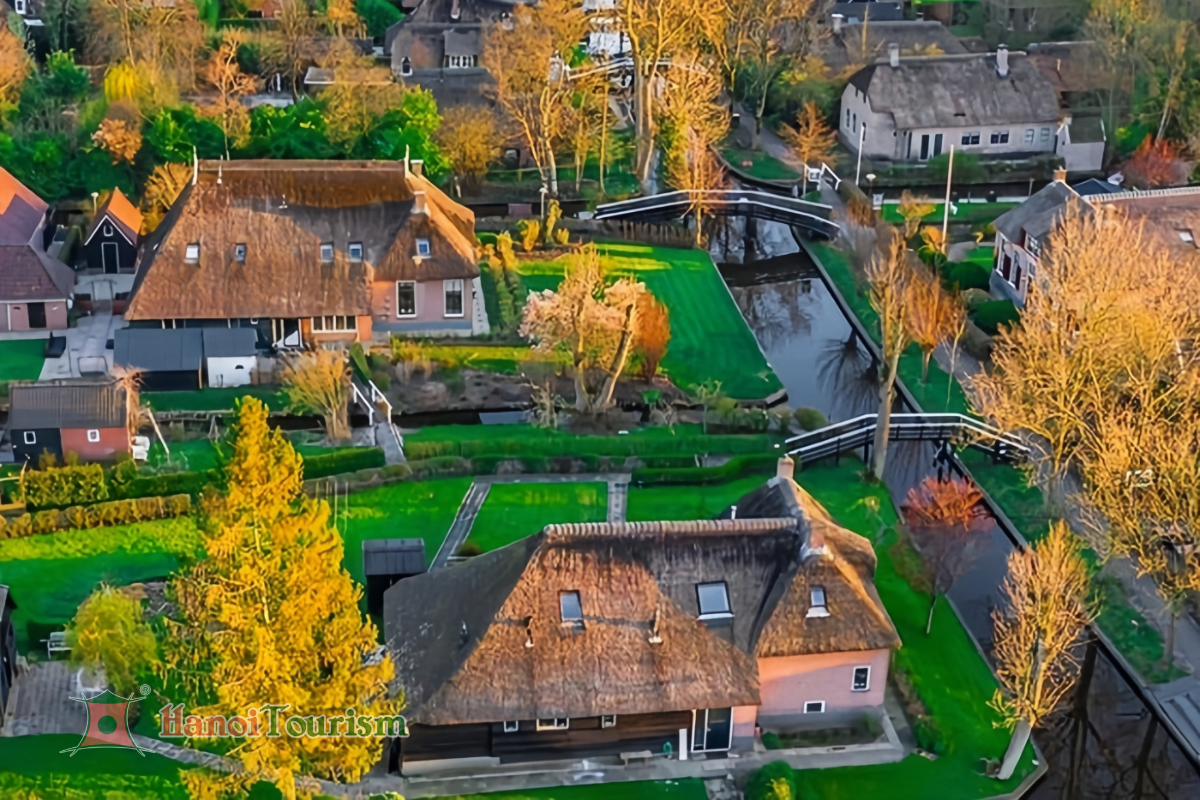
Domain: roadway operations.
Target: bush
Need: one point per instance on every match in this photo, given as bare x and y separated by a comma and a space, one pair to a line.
339, 461
929, 736
736, 467
775, 781
991, 315
810, 419
98, 515
530, 230
64, 486
439, 466
962, 275
469, 550
771, 741
381, 379
173, 483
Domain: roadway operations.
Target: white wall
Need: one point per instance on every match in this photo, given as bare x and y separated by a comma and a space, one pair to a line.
879, 141
234, 371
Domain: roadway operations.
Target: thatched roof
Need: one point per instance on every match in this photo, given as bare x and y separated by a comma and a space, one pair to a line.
484, 641
282, 211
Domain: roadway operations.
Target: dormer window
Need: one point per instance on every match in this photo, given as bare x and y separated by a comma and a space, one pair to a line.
816, 602
356, 251
1186, 237
506, 21
405, 66
327, 252
571, 609
422, 247
713, 599
1033, 245
191, 253
239, 253
455, 11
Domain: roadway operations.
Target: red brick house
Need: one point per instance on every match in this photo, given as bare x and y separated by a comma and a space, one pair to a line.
34, 286
80, 416
309, 252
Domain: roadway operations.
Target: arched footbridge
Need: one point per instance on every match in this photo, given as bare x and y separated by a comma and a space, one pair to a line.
814, 217
859, 432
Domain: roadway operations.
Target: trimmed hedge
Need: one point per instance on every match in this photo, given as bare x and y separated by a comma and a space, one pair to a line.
322, 466
99, 515
582, 446
736, 467
991, 315
967, 275
64, 486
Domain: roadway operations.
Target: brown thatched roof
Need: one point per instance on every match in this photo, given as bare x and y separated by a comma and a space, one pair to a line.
282, 211
484, 641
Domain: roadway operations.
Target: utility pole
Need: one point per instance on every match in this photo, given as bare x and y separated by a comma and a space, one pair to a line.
946, 207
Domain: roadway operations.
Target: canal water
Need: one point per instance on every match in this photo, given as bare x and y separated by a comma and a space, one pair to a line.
1104, 743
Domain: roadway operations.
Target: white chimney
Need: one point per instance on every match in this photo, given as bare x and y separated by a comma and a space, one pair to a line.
838, 21
785, 468
894, 55
419, 204
1002, 61
1060, 175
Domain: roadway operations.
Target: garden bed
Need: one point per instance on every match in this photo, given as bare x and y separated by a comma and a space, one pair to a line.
513, 511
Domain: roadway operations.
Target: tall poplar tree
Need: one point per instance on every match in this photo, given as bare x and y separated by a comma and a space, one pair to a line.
269, 615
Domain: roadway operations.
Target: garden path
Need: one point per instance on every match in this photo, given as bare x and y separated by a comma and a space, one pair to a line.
769, 141
460, 529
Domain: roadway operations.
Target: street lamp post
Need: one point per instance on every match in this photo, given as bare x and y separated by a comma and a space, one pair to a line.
543, 192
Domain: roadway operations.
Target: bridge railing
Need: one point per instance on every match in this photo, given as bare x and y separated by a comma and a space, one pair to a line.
742, 202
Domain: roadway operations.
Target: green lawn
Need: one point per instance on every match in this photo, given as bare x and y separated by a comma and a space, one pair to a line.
762, 165
685, 789
947, 671
984, 256
421, 510
513, 511
709, 338
210, 399
652, 503
198, 455
976, 213
21, 359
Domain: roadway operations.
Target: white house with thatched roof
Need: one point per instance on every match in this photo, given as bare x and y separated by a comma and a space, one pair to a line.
597, 639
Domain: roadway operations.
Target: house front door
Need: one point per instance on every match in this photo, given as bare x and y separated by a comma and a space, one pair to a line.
37, 315
712, 730
924, 146
110, 256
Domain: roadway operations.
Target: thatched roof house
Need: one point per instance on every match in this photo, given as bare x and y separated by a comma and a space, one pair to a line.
342, 247
618, 631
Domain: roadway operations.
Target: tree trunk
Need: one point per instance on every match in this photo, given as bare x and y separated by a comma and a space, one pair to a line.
1016, 746
552, 168
644, 129
1169, 652
758, 120
582, 403
929, 619
618, 363
925, 356
603, 141
883, 418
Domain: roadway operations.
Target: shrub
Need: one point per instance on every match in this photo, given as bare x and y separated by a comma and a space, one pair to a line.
810, 419
98, 515
441, 465
561, 236
381, 379
358, 360
991, 315
771, 741
64, 486
966, 275
734, 468
191, 483
396, 471
775, 781
929, 736
530, 229
469, 550
339, 461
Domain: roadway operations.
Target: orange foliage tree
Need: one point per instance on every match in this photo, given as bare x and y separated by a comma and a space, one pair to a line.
654, 334
1155, 164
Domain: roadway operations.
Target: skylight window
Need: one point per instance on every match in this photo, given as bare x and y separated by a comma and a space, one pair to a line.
356, 251
239, 252
713, 599
422, 247
191, 253
571, 609
327, 252
816, 602
1186, 236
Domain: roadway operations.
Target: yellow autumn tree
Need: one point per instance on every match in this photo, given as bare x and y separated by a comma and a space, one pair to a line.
270, 615
224, 74
110, 631
162, 188
318, 382
812, 141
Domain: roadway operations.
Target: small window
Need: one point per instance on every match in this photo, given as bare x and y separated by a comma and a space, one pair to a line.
1000, 137
608, 721
454, 297
1029, 133
93, 435
556, 724
356, 251
422, 247
816, 600
191, 253
1033, 245
511, 726
854, 127
570, 608
30, 437
862, 679
406, 299
405, 66
19, 5
1186, 236
971, 138
239, 253
1045, 135
108, 230
713, 598
327, 252
333, 324
814, 707
847, 118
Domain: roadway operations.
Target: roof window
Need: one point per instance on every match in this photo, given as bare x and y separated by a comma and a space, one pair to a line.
191, 253
239, 252
356, 251
816, 604
422, 247
571, 609
713, 599
327, 252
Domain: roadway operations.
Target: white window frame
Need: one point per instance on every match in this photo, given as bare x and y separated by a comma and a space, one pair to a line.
413, 284
576, 622
553, 724
1030, 133
108, 229
1033, 245
191, 253
406, 66
351, 250
448, 286
239, 252
423, 249
815, 608
608, 720
820, 703
19, 6
30, 437
93, 435
1045, 135
326, 247
319, 325
726, 614
511, 726
854, 676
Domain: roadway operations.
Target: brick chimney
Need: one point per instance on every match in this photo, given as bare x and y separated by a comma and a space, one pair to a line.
838, 21
1060, 175
1002, 61
785, 468
894, 55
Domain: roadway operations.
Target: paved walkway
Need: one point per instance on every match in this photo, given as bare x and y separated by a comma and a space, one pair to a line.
86, 352
768, 141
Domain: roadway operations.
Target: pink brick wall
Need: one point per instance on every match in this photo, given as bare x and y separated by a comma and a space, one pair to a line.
790, 682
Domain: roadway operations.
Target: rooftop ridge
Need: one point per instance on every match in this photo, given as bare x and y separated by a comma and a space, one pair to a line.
575, 531
947, 57
1134, 194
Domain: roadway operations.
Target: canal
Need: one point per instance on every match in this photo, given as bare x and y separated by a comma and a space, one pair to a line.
1104, 743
